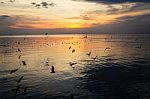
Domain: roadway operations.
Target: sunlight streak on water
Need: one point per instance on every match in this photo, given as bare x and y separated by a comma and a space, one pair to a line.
125, 54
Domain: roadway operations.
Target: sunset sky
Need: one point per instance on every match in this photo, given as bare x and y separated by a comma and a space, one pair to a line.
74, 16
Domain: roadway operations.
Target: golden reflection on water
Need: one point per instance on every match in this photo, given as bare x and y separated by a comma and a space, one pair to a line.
40, 52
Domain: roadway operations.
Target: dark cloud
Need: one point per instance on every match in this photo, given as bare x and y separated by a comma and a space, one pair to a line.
115, 1
126, 24
3, 17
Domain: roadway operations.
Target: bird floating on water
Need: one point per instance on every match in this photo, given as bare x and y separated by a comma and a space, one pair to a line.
52, 69
85, 36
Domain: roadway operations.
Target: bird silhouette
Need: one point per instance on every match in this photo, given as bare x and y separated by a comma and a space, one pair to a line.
70, 47
19, 50
94, 57
24, 63
88, 53
72, 63
19, 80
52, 69
85, 36
106, 48
73, 50
12, 71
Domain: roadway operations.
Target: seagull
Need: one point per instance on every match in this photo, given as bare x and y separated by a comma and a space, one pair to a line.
94, 57
88, 53
19, 80
52, 69
46, 33
19, 56
106, 48
19, 50
24, 63
73, 50
33, 3
72, 63
70, 47
12, 71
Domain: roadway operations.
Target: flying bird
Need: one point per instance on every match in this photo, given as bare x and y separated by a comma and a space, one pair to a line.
70, 47
24, 63
88, 53
19, 50
107, 48
12, 71
73, 50
72, 63
19, 80
94, 57
19, 56
33, 3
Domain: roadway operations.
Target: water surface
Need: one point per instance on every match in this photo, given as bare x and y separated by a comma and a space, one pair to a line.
122, 71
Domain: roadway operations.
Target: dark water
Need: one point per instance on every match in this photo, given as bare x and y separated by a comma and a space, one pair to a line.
122, 71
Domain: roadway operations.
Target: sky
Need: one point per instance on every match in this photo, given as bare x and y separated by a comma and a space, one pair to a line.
74, 16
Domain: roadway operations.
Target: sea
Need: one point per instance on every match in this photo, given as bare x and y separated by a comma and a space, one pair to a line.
75, 66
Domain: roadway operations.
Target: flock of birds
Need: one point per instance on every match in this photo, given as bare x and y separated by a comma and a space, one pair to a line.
18, 88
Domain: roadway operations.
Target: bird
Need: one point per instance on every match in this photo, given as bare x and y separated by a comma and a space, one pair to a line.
106, 48
46, 33
19, 50
70, 47
12, 71
85, 36
73, 50
94, 57
19, 80
19, 56
52, 69
88, 53
33, 3
72, 63
24, 63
